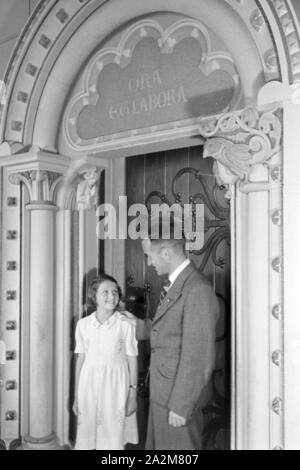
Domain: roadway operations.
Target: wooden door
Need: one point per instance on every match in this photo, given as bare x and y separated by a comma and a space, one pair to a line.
183, 176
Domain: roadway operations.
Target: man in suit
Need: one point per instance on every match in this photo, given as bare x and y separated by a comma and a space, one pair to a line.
182, 347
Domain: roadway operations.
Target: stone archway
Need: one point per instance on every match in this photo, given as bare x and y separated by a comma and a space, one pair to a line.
38, 82
54, 47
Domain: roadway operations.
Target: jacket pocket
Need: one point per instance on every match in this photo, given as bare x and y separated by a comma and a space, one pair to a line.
167, 371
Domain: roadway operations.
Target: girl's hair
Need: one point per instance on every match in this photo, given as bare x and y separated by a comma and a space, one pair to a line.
94, 286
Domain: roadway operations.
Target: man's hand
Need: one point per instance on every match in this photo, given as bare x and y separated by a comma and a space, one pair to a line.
127, 316
176, 420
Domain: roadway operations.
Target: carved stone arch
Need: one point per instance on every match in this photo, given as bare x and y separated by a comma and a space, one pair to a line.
60, 36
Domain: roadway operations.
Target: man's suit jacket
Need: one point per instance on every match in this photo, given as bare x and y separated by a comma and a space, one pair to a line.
183, 343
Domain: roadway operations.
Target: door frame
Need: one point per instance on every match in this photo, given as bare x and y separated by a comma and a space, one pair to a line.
244, 191
252, 191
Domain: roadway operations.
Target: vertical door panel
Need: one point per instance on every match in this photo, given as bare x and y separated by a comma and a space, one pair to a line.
183, 176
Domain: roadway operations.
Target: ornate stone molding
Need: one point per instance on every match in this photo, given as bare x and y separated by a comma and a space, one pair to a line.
257, 20
290, 35
240, 140
277, 405
40, 184
277, 358
39, 170
79, 189
34, 19
86, 195
34, 23
87, 102
52, 20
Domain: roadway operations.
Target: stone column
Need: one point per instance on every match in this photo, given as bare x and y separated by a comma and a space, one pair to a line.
41, 325
246, 147
290, 307
49, 296
86, 201
66, 306
41, 307
76, 196
255, 318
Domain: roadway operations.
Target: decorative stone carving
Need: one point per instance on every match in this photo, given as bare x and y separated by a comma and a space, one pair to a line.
277, 311
271, 59
12, 202
10, 415
89, 103
86, 196
11, 265
10, 385
277, 405
11, 325
257, 20
11, 355
240, 140
61, 18
276, 358
40, 184
11, 235
2, 352
277, 264
276, 173
11, 295
224, 178
277, 217
290, 36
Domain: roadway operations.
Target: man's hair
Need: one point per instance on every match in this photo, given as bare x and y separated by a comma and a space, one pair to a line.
168, 234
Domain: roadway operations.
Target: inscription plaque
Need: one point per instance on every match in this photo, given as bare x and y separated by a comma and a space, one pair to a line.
152, 78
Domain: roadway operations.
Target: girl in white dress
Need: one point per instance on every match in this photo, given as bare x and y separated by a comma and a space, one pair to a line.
106, 372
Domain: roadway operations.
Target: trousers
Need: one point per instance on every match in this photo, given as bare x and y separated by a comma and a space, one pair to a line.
162, 436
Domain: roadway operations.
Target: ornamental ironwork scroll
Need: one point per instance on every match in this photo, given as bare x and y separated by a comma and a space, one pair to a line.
211, 200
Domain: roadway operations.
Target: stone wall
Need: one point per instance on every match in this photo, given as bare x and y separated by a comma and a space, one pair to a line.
13, 16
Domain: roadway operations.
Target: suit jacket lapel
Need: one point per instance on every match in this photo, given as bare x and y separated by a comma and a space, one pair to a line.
174, 292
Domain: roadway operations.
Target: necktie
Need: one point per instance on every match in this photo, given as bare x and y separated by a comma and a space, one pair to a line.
163, 293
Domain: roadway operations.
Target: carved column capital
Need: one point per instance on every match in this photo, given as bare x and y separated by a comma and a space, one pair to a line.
240, 140
40, 184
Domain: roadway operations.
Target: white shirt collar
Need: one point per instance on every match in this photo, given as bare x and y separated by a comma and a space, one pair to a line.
95, 322
174, 275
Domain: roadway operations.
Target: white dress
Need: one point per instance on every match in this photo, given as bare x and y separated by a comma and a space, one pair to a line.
104, 383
